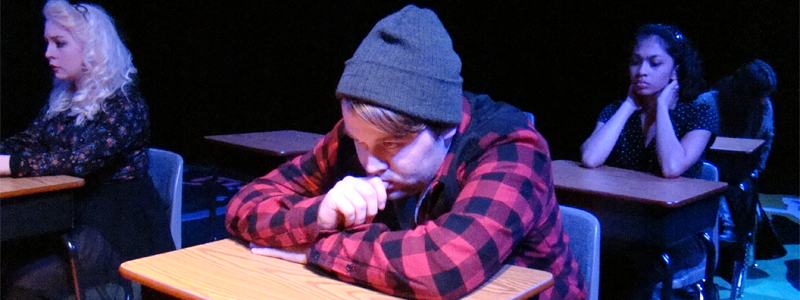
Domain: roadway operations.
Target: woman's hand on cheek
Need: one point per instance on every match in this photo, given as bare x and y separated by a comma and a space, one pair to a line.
631, 99
669, 95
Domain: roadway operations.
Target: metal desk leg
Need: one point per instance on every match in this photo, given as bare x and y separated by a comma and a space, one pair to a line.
666, 287
71, 251
708, 281
745, 238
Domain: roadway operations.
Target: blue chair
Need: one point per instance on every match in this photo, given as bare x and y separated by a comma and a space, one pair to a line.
702, 274
583, 229
531, 118
709, 172
166, 169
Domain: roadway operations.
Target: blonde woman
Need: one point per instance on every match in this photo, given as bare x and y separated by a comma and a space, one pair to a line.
95, 126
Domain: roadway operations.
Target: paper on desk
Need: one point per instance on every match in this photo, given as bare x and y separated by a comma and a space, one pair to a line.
278, 253
261, 250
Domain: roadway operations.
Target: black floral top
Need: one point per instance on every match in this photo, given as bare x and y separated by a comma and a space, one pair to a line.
630, 152
109, 147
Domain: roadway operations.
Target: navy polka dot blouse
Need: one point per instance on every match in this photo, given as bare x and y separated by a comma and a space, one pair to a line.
630, 152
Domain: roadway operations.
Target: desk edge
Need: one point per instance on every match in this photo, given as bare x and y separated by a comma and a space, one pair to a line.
538, 289
670, 204
156, 285
280, 153
50, 188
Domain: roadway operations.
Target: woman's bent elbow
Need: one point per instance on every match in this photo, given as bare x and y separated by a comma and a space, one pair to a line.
670, 173
590, 162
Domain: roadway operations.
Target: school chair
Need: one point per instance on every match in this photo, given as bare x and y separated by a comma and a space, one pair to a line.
583, 229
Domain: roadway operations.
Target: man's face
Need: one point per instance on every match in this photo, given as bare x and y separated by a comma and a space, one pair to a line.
406, 164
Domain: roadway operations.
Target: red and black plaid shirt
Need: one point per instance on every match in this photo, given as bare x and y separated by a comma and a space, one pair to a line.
491, 203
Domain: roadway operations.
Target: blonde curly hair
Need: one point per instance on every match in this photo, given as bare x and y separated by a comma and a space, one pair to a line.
107, 63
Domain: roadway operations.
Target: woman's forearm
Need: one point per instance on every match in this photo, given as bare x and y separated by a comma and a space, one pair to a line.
669, 148
676, 156
598, 146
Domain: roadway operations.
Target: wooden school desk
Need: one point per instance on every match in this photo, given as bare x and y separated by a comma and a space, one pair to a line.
735, 158
638, 209
284, 143
226, 269
36, 205
636, 206
737, 145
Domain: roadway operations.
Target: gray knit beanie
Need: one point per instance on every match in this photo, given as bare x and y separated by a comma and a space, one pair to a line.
407, 64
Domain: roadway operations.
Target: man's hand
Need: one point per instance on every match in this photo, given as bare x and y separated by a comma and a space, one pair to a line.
352, 201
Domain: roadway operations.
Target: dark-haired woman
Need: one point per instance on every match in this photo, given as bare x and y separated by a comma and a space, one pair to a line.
745, 111
658, 130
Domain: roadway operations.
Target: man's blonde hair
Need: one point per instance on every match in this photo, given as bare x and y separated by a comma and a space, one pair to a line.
384, 119
391, 122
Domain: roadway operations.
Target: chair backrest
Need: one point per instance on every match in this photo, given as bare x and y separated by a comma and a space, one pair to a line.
697, 273
531, 118
583, 229
709, 172
166, 169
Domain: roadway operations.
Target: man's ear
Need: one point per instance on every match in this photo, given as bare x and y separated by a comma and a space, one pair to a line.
448, 135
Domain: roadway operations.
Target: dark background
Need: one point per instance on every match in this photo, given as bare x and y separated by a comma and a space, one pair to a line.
220, 67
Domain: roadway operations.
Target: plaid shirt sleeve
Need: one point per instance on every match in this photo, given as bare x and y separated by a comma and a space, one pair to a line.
280, 209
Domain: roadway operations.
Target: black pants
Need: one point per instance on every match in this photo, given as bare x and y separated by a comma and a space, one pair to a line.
114, 222
38, 267
632, 273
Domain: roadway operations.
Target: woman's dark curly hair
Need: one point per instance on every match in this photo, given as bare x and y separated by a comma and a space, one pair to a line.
690, 70
741, 110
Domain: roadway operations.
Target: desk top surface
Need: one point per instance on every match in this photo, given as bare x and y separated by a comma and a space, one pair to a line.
12, 187
740, 145
226, 269
278, 143
632, 185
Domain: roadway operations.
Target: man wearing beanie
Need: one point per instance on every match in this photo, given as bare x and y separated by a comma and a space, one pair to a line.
422, 190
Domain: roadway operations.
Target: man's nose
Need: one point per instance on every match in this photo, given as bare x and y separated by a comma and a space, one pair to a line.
375, 166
